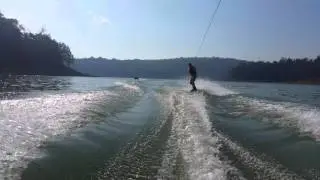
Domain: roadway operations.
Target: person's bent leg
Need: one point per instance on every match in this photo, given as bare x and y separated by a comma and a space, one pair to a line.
194, 88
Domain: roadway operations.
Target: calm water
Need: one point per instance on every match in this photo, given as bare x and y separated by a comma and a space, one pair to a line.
103, 128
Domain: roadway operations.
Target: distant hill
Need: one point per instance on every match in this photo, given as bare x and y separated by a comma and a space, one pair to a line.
213, 68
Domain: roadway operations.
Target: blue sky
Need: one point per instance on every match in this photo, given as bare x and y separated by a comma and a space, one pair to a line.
150, 29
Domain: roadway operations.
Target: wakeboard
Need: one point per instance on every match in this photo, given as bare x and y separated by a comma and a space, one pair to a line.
196, 91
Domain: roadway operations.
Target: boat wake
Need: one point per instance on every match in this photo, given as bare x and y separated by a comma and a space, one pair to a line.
197, 150
303, 118
28, 124
192, 151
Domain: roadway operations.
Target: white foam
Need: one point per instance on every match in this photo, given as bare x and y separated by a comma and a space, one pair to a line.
191, 134
26, 123
129, 86
213, 88
303, 117
199, 144
265, 169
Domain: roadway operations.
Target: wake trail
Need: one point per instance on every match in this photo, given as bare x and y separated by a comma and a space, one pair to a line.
304, 118
191, 145
28, 124
198, 150
214, 88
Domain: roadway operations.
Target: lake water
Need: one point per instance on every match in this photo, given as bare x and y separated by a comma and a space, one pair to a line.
107, 128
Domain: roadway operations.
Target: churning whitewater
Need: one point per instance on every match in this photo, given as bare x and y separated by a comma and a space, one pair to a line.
108, 128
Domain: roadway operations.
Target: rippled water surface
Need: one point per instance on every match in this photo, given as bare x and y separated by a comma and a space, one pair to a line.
109, 128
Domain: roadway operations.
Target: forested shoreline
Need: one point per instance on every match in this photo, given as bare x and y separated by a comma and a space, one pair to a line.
27, 53
288, 70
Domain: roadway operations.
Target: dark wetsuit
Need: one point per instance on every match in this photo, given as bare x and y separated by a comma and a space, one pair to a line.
193, 74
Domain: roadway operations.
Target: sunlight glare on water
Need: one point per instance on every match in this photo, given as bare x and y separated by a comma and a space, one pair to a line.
118, 128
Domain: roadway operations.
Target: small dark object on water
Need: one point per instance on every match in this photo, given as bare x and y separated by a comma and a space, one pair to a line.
136, 78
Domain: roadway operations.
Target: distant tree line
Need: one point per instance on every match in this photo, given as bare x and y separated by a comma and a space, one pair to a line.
23, 52
285, 70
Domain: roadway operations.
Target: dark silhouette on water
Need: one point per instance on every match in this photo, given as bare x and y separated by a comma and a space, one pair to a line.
22, 52
193, 76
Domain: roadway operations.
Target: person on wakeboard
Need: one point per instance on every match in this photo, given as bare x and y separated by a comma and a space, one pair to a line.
193, 76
